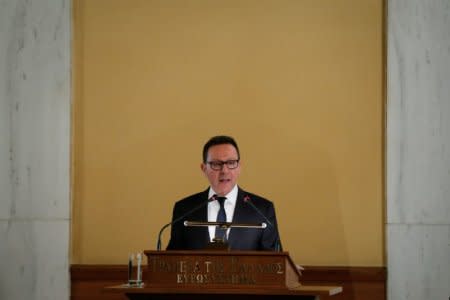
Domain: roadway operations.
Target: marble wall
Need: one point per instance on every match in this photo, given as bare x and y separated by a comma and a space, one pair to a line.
35, 105
418, 150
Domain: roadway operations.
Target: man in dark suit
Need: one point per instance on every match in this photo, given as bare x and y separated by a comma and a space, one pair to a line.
224, 201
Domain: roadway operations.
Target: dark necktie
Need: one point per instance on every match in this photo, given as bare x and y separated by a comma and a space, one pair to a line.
221, 217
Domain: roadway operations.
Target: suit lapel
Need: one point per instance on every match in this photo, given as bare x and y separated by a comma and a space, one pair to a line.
238, 217
238, 209
203, 216
198, 236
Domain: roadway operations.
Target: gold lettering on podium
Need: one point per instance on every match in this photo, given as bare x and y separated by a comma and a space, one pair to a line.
201, 272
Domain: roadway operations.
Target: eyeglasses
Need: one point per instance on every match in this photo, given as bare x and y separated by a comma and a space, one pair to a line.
217, 165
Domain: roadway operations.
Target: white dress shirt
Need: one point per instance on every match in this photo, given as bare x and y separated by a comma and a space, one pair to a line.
214, 206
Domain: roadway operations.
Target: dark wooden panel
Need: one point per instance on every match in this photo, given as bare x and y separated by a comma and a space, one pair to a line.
359, 283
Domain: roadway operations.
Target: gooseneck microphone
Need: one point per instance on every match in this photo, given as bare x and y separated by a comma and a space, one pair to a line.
277, 242
158, 245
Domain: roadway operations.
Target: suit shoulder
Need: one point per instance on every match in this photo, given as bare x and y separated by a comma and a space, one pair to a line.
256, 199
192, 199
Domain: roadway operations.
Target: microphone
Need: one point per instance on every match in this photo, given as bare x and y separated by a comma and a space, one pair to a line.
158, 245
247, 200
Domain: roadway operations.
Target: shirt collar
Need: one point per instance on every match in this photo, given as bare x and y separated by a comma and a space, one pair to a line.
231, 196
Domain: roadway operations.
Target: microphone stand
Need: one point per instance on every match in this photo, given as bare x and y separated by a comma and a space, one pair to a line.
158, 244
278, 242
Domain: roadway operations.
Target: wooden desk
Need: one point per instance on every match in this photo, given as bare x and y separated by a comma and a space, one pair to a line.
236, 275
153, 293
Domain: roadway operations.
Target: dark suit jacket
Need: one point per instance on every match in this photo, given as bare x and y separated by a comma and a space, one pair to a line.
195, 238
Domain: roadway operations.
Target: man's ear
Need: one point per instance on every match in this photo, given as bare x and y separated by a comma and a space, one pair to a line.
203, 167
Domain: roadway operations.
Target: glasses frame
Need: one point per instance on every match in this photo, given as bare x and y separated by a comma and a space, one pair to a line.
223, 163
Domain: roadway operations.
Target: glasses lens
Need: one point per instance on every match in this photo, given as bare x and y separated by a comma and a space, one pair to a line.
232, 164
216, 165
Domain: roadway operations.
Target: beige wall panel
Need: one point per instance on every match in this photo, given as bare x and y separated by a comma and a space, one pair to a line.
299, 84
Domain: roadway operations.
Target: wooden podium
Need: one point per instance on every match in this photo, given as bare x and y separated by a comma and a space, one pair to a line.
222, 275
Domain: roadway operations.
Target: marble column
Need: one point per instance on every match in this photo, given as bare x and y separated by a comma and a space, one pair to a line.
35, 100
418, 150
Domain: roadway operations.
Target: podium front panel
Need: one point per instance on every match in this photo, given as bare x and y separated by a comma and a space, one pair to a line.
246, 269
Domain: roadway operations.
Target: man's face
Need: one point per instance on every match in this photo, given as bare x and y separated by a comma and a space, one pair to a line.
223, 180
